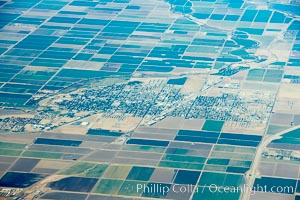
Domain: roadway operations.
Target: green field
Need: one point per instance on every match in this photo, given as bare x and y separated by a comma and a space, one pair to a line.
10, 145
108, 186
212, 125
86, 170
116, 172
10, 152
41, 154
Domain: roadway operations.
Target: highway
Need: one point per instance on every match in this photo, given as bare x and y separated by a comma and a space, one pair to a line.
253, 171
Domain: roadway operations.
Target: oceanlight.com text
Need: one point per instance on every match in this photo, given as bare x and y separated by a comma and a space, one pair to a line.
164, 189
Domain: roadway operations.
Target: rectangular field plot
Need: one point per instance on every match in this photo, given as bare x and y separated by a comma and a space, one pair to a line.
24, 164
64, 195
86, 170
117, 172
145, 148
10, 152
108, 186
75, 184
20, 180
277, 182
57, 142
10, 145
41, 154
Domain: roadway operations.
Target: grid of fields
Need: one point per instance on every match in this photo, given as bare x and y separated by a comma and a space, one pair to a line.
57, 43
204, 82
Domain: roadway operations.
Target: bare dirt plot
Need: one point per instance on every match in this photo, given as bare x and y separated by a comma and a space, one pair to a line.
58, 121
126, 124
244, 128
289, 91
288, 171
192, 85
71, 129
281, 119
88, 119
4, 167
18, 138
77, 64
267, 169
250, 85
89, 144
25, 164
170, 123
144, 129
37, 68
292, 70
163, 175
5, 113
53, 164
155, 133
157, 136
192, 124
215, 92
7, 159
101, 156
287, 105
240, 76
44, 170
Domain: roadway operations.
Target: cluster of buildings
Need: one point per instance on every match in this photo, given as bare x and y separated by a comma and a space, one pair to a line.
17, 124
11, 193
